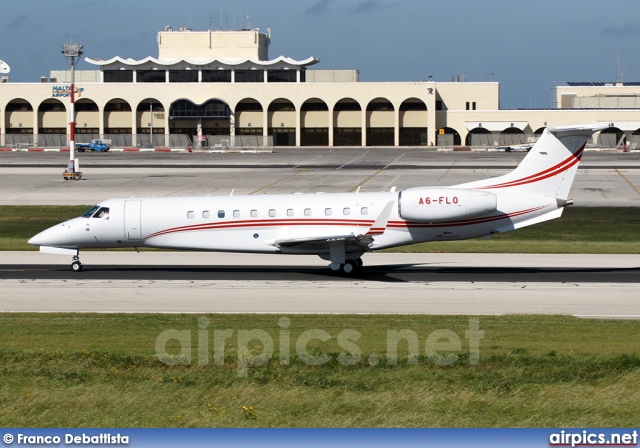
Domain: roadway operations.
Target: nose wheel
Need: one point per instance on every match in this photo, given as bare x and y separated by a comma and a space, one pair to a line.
76, 265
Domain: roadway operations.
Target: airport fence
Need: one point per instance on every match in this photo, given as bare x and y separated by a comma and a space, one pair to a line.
246, 142
492, 140
224, 142
143, 141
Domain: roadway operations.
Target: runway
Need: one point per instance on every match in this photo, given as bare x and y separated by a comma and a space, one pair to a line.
478, 284
169, 282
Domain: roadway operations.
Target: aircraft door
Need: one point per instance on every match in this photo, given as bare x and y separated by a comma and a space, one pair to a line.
132, 227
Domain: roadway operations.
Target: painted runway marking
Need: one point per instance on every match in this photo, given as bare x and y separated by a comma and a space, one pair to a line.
307, 162
357, 158
279, 181
628, 181
394, 161
366, 180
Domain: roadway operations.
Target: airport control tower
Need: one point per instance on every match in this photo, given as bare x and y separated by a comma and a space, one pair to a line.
222, 44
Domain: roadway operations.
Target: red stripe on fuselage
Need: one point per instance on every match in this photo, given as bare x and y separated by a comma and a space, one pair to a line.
246, 224
267, 223
550, 172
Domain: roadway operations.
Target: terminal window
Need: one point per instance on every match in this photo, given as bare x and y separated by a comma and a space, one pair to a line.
118, 75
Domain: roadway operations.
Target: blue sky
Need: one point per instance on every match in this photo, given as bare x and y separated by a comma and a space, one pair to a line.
527, 45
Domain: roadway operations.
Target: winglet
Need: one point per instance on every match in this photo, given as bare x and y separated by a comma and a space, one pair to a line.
380, 225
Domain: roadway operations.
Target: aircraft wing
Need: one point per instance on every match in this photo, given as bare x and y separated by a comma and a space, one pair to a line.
318, 242
362, 240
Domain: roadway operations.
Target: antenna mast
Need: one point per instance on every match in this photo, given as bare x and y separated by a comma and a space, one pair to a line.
620, 74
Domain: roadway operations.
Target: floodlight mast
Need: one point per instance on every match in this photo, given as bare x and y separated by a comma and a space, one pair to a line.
72, 53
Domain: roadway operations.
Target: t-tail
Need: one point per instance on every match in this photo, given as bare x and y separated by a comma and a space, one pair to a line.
550, 166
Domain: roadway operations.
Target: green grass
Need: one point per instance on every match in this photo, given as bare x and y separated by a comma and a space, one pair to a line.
580, 230
21, 222
102, 370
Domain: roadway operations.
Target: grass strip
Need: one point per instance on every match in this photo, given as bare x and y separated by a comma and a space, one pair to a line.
96, 370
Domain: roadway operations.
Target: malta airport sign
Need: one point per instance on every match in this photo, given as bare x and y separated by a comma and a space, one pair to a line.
65, 91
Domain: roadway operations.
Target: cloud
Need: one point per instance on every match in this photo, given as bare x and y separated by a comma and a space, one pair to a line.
626, 30
17, 23
369, 5
320, 7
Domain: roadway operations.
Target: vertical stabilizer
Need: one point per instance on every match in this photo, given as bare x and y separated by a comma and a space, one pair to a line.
550, 166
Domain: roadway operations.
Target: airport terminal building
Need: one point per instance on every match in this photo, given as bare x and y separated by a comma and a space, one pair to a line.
220, 88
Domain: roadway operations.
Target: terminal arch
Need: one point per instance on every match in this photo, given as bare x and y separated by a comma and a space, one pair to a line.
635, 139
18, 116
52, 117
87, 120
281, 122
314, 123
380, 122
249, 117
413, 122
448, 137
611, 138
209, 118
117, 117
480, 137
512, 136
150, 120
347, 123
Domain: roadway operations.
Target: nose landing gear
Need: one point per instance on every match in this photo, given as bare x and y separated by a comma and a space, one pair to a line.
76, 265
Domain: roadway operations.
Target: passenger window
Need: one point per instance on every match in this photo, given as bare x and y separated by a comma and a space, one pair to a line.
364, 211
272, 213
290, 212
307, 212
220, 213
254, 213
236, 213
206, 214
327, 212
346, 211
191, 215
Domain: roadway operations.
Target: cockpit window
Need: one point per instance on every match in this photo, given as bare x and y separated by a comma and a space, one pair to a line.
90, 212
102, 213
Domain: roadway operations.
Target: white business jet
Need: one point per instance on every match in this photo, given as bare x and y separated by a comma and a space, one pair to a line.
339, 227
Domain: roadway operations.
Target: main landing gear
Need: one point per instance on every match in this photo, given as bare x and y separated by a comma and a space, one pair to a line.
351, 266
348, 267
338, 257
76, 265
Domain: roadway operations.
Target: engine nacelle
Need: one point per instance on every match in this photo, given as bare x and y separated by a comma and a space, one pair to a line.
444, 204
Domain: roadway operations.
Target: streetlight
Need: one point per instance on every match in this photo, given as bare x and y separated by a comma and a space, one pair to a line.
72, 53
151, 121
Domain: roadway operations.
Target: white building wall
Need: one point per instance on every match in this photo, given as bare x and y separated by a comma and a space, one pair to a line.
454, 97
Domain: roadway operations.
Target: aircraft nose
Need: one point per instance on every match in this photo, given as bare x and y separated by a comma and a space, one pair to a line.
35, 240
53, 236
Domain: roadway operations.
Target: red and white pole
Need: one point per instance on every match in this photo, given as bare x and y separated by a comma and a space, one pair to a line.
72, 53
72, 126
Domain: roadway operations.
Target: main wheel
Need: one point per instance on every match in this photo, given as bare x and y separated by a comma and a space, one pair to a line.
349, 266
76, 266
